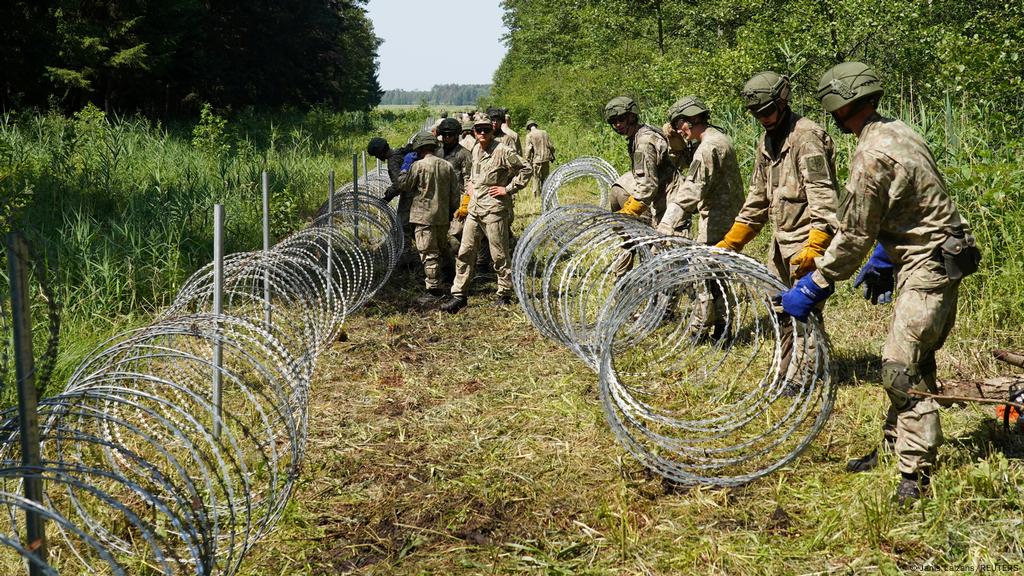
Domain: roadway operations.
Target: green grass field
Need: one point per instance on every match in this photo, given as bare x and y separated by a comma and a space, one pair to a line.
469, 444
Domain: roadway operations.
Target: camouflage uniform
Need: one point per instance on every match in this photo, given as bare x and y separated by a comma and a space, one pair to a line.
498, 165
462, 161
794, 187
510, 138
712, 188
433, 188
539, 153
895, 193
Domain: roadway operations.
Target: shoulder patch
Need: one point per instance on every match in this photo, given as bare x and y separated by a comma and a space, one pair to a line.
816, 167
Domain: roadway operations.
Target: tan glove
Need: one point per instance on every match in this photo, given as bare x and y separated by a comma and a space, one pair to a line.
803, 261
632, 207
463, 210
737, 237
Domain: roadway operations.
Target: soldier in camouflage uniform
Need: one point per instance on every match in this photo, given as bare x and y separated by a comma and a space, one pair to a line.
540, 153
433, 188
794, 186
503, 133
467, 140
497, 174
462, 161
895, 195
712, 188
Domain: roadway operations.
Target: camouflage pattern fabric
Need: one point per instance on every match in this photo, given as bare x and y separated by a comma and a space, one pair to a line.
712, 187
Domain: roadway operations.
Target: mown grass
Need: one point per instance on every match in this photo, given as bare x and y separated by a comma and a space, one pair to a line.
470, 444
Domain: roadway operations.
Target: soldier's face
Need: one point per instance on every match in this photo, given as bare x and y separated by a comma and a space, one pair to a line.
484, 134
449, 139
621, 123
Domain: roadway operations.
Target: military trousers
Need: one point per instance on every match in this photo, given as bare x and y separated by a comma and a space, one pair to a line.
432, 244
540, 175
494, 228
924, 313
798, 351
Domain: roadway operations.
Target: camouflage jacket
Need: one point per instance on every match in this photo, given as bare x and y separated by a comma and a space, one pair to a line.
895, 194
467, 142
538, 147
712, 187
433, 185
462, 161
498, 165
797, 188
652, 166
510, 138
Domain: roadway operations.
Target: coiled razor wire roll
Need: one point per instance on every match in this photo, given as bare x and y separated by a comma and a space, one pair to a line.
137, 478
584, 167
693, 406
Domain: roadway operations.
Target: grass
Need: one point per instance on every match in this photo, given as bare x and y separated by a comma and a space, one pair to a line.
469, 444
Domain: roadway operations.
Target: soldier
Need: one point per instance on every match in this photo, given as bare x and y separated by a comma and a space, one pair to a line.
895, 195
398, 161
433, 186
462, 161
713, 188
539, 153
793, 186
651, 165
497, 174
467, 140
503, 133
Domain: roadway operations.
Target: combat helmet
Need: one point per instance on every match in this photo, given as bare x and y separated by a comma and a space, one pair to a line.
618, 106
763, 90
688, 107
450, 126
848, 82
423, 139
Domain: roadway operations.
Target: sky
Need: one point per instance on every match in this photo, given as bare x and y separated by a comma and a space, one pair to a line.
407, 64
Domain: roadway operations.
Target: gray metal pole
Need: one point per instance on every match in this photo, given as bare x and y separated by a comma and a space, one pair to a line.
355, 194
266, 249
28, 418
366, 175
330, 251
218, 309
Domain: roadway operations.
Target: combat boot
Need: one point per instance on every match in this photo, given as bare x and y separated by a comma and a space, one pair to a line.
455, 304
912, 487
869, 461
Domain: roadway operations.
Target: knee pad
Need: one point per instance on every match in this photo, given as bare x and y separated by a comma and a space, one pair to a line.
897, 380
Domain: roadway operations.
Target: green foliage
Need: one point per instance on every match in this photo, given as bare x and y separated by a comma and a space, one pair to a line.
165, 58
440, 94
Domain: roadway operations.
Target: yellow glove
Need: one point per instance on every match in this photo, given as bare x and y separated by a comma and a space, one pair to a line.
632, 207
463, 210
737, 237
803, 261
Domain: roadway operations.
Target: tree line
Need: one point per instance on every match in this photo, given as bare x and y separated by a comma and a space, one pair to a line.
579, 54
439, 94
169, 57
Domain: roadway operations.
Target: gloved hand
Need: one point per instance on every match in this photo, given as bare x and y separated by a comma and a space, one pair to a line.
407, 161
632, 207
878, 277
676, 142
463, 209
737, 237
803, 261
799, 300
670, 221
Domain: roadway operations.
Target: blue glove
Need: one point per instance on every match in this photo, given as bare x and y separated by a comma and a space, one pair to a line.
801, 298
878, 277
407, 161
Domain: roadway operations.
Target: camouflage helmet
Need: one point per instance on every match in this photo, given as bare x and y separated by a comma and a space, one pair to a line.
481, 119
377, 147
422, 139
450, 126
846, 83
764, 89
688, 107
618, 106
467, 125
530, 123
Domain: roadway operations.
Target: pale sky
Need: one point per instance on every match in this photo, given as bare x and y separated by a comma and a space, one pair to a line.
413, 56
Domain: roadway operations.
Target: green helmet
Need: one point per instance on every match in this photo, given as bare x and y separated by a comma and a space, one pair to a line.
467, 125
688, 107
620, 105
450, 126
847, 82
764, 89
422, 139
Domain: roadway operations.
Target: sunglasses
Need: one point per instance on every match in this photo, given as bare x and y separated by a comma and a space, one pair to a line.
617, 119
483, 129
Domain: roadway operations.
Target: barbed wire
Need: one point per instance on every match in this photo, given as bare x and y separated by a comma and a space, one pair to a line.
701, 378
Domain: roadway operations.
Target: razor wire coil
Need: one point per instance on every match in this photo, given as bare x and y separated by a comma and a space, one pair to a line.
598, 169
142, 469
701, 378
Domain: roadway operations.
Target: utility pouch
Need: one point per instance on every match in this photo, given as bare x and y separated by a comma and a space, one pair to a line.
959, 255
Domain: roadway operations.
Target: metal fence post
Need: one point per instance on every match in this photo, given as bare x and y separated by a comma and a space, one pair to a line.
266, 249
330, 251
218, 309
28, 417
